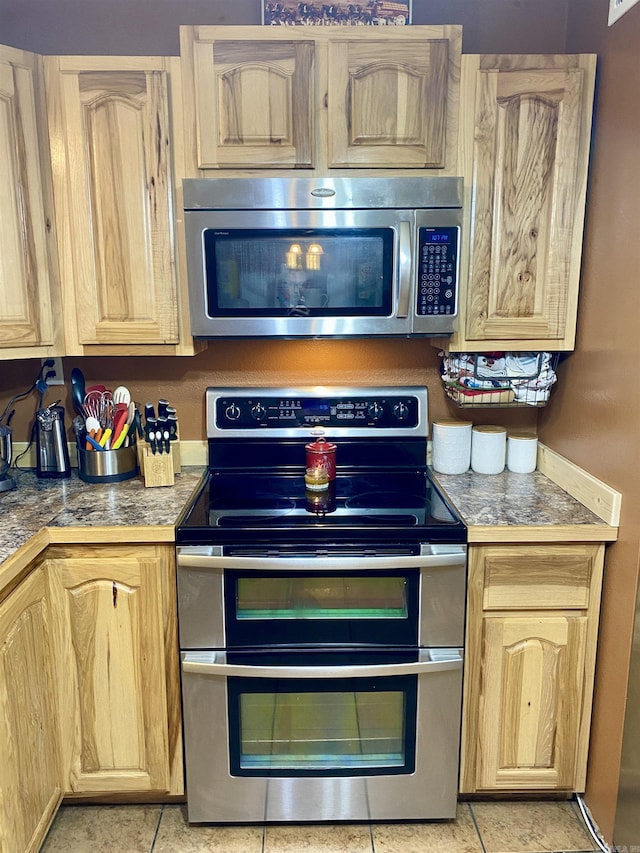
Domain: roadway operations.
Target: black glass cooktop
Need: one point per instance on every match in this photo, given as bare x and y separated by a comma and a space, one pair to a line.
382, 505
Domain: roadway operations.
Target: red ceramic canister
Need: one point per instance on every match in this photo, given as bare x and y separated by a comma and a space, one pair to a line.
321, 457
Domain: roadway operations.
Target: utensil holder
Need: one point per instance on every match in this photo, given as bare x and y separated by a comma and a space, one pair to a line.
158, 469
107, 466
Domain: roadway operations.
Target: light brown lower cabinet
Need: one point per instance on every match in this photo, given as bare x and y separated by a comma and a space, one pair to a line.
532, 623
89, 684
116, 667
30, 770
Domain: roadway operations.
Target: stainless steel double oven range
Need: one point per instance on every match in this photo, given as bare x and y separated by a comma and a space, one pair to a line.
321, 632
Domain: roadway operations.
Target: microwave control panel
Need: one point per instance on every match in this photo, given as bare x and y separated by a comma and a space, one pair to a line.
437, 271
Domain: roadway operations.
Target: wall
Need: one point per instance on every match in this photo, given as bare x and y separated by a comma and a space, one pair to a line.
595, 416
151, 26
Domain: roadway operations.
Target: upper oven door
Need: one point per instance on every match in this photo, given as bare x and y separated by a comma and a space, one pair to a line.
248, 599
256, 273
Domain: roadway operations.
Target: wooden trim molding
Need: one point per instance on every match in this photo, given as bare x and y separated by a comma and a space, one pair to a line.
601, 499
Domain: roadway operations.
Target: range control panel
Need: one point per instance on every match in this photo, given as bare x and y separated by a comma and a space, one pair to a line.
246, 411
437, 271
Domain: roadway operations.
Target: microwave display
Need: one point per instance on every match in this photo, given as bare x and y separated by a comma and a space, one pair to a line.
288, 272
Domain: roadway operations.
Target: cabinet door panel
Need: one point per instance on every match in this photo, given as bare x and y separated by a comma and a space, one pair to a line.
25, 298
111, 671
30, 775
532, 681
378, 91
254, 103
529, 148
114, 197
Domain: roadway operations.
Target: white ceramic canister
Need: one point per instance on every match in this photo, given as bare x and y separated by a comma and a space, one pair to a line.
488, 449
522, 452
451, 446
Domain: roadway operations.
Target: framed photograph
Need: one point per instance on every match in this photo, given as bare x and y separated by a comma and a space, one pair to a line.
369, 13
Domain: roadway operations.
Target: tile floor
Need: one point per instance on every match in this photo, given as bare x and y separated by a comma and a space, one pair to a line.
480, 827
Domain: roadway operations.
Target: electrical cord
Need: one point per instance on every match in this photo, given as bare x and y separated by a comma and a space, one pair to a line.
586, 816
40, 383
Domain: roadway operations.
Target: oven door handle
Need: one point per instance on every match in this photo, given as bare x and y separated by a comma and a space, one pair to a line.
215, 663
202, 558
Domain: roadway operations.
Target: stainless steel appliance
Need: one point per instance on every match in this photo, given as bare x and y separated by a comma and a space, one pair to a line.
325, 257
52, 453
321, 632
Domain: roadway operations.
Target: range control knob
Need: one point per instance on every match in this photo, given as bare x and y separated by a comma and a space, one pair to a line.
376, 410
232, 412
258, 412
401, 411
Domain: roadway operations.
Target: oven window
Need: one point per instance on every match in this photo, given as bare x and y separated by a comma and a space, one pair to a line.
322, 727
321, 607
299, 272
316, 597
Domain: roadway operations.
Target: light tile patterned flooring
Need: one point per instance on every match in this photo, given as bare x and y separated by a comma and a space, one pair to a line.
480, 827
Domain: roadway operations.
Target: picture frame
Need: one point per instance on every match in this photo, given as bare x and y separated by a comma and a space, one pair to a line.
293, 13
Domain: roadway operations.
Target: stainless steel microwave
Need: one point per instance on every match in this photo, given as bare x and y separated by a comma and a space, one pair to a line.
323, 257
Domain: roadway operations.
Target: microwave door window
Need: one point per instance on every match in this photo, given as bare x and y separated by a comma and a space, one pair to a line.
264, 273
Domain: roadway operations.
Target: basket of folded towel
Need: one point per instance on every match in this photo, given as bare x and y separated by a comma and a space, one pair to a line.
499, 378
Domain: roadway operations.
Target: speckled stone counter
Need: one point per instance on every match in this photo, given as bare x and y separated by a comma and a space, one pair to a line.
511, 503
72, 503
504, 507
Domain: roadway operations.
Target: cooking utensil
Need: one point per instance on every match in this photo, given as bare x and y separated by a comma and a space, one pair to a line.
93, 430
121, 437
150, 433
104, 441
122, 395
119, 422
78, 390
93, 443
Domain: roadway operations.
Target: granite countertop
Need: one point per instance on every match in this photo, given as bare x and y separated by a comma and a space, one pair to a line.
72, 503
516, 501
507, 507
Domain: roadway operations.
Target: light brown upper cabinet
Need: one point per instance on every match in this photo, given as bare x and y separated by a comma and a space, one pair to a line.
29, 308
320, 99
112, 163
525, 134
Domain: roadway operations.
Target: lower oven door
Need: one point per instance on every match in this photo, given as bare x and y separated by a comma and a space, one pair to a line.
337, 737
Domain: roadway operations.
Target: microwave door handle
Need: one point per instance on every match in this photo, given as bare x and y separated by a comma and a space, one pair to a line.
456, 557
215, 663
404, 269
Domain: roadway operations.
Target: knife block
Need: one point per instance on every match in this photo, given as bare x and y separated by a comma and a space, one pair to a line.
158, 469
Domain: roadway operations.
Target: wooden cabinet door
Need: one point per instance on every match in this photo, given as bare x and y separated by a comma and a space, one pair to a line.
30, 773
253, 98
111, 672
109, 124
531, 639
529, 701
390, 99
27, 280
528, 149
